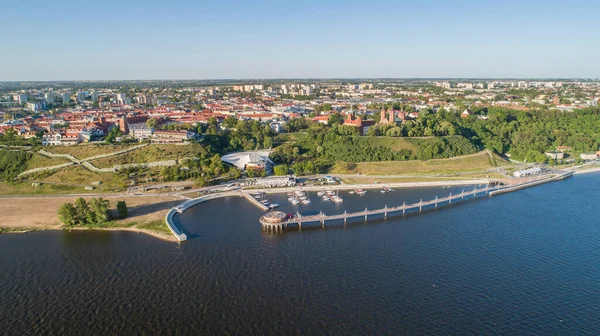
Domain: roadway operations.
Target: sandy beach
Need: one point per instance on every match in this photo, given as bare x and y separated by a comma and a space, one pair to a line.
40, 213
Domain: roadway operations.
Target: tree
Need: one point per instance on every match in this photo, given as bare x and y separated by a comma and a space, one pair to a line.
335, 119
394, 132
230, 122
268, 143
112, 135
122, 209
82, 211
152, 122
281, 169
99, 207
67, 214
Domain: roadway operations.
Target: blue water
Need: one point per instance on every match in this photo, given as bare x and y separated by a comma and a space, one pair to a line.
519, 263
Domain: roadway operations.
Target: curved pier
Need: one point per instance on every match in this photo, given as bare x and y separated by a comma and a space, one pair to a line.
186, 205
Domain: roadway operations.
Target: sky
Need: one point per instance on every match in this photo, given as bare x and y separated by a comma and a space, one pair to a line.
224, 39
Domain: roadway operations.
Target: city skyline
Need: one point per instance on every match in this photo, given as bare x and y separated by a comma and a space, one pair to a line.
327, 39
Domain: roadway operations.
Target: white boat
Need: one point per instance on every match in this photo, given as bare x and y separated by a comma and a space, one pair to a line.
291, 198
295, 201
306, 201
325, 198
320, 193
337, 200
360, 192
273, 206
302, 198
330, 193
351, 192
264, 202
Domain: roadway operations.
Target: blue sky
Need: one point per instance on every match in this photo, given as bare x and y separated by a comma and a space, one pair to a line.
186, 39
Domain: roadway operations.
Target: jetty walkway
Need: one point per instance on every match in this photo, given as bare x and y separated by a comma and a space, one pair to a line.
385, 211
276, 222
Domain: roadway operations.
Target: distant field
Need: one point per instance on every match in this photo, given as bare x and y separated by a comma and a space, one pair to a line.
86, 151
150, 153
474, 162
38, 161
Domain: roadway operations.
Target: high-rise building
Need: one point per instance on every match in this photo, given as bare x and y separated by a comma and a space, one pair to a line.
66, 97
49, 96
80, 96
122, 98
95, 97
21, 98
307, 90
284, 89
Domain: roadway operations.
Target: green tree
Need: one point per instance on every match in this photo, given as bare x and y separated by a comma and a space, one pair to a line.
335, 119
152, 122
281, 169
67, 214
122, 209
82, 211
99, 207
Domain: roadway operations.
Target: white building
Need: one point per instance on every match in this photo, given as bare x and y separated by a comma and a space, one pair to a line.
95, 97
528, 172
243, 160
123, 99
140, 131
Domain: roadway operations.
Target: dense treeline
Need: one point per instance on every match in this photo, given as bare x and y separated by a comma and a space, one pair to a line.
92, 213
526, 135
322, 146
12, 163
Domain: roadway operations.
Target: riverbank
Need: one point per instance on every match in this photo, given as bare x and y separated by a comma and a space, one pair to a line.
586, 171
444, 183
24, 214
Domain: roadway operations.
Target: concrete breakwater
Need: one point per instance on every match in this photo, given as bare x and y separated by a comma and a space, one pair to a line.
530, 184
188, 204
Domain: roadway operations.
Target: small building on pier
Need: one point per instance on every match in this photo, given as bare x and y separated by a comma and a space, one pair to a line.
528, 172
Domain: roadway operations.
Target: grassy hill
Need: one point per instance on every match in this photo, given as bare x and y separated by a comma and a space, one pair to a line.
150, 153
85, 151
38, 161
467, 163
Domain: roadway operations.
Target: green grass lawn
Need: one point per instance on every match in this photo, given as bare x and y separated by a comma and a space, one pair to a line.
85, 150
80, 176
25, 188
39, 161
150, 153
467, 163
156, 226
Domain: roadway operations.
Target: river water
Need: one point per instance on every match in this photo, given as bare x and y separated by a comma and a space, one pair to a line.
519, 263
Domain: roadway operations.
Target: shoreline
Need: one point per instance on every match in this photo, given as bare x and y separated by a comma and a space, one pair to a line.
184, 206
155, 234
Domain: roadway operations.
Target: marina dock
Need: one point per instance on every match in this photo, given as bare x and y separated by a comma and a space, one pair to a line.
275, 222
